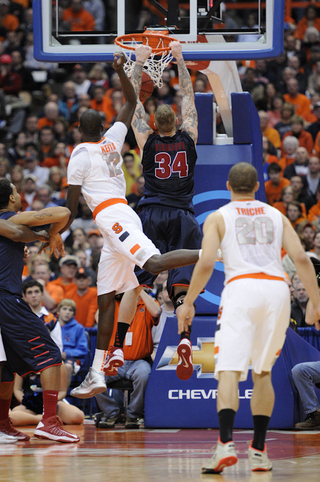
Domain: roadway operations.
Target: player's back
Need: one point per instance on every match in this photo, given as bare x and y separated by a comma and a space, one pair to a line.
11, 266
96, 166
168, 168
253, 239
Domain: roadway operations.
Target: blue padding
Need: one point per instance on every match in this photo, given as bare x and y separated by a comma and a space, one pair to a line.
204, 105
173, 403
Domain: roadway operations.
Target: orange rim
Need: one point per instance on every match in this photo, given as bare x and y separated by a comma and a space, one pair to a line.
147, 38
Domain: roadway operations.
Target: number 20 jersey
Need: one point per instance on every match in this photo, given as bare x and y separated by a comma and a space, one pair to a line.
168, 168
253, 239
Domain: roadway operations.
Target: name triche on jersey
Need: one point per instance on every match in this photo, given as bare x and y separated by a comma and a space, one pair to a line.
250, 211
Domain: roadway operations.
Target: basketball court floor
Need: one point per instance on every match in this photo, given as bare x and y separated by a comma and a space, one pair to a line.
154, 455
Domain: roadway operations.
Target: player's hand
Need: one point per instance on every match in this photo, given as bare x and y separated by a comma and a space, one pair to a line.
313, 314
176, 49
185, 314
42, 236
142, 53
119, 60
56, 246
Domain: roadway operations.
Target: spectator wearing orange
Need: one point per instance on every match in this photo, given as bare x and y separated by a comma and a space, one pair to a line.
8, 21
85, 298
317, 144
267, 157
51, 113
297, 130
68, 268
100, 102
52, 294
47, 143
286, 197
271, 134
300, 102
59, 158
80, 20
290, 145
310, 19
114, 106
294, 214
314, 211
276, 183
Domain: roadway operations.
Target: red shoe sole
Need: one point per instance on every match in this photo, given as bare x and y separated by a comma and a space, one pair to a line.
185, 369
226, 462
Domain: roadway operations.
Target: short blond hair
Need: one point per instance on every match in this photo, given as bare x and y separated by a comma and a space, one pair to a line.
243, 177
165, 118
67, 302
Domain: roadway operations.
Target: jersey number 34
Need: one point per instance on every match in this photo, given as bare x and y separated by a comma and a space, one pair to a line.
165, 169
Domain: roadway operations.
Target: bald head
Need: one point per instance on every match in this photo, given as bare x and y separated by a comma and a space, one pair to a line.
91, 123
243, 178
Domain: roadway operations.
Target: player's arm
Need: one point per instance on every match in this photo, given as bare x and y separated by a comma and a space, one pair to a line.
72, 203
20, 233
305, 270
189, 111
213, 232
139, 124
126, 112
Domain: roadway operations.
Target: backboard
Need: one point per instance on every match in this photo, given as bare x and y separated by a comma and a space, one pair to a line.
198, 24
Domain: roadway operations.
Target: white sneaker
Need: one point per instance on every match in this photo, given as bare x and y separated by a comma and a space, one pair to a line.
93, 384
114, 360
259, 461
7, 439
224, 456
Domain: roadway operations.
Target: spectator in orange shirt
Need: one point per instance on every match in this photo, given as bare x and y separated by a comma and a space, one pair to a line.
267, 157
297, 130
51, 112
7, 20
52, 294
68, 268
294, 214
310, 19
276, 183
80, 20
290, 146
85, 298
286, 197
271, 134
314, 212
137, 349
100, 102
300, 102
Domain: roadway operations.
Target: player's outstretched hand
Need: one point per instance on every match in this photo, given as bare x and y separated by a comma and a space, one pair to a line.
56, 246
176, 49
313, 314
118, 61
185, 314
142, 53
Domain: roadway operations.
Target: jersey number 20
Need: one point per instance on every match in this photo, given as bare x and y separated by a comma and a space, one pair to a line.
259, 230
165, 169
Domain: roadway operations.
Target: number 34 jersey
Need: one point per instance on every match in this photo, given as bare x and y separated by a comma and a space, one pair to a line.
168, 168
96, 166
253, 239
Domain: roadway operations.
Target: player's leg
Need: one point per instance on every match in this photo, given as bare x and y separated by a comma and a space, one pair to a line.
227, 405
8, 434
94, 381
127, 311
262, 402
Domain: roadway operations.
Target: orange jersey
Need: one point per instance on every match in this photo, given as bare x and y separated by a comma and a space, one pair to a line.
80, 21
273, 192
87, 306
305, 140
283, 209
301, 103
68, 289
314, 212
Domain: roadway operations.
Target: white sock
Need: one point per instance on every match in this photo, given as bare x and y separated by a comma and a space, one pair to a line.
99, 360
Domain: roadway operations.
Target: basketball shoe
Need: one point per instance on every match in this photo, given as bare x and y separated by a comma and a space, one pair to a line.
185, 365
7, 439
224, 456
114, 361
259, 460
7, 428
93, 384
51, 429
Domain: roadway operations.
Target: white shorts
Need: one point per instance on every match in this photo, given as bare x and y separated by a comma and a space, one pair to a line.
125, 245
251, 328
3, 356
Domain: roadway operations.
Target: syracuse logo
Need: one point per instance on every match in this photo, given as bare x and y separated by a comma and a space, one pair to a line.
203, 358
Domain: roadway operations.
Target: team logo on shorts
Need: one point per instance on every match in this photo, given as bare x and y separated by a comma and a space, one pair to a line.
203, 358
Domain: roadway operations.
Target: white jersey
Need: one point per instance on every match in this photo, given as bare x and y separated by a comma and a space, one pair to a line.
253, 239
96, 166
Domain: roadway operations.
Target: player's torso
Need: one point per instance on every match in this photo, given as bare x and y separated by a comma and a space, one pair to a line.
11, 266
168, 168
103, 177
253, 239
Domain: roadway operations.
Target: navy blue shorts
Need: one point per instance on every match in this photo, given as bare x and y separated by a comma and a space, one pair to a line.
169, 229
27, 342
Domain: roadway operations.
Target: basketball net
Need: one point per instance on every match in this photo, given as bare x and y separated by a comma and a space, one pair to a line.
158, 60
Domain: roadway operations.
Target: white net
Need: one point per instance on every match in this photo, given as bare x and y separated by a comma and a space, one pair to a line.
153, 66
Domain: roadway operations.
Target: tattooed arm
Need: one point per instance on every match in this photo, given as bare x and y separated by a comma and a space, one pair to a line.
139, 124
189, 111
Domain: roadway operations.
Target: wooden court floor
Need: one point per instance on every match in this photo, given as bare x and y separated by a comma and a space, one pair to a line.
154, 455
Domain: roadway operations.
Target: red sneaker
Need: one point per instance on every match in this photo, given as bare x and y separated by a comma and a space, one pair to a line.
7, 428
51, 429
114, 361
185, 365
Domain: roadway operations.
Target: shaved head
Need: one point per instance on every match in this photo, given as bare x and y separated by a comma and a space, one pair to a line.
91, 123
243, 177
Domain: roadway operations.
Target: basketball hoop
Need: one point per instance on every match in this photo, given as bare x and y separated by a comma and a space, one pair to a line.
159, 59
